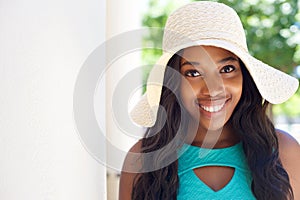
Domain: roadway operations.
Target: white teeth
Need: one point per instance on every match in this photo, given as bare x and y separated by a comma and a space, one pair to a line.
212, 108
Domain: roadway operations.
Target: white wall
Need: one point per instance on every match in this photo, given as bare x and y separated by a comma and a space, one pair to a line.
42, 47
123, 18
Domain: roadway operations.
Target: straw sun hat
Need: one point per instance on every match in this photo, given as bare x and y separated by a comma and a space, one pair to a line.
213, 24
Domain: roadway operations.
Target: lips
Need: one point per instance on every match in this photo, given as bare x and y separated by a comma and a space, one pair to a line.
212, 106
212, 109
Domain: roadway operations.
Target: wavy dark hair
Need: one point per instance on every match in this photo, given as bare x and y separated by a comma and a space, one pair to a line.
257, 133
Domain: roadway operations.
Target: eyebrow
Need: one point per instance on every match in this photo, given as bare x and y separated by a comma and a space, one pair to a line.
189, 63
224, 60
230, 58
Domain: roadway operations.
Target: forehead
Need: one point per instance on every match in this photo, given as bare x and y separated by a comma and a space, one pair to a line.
197, 53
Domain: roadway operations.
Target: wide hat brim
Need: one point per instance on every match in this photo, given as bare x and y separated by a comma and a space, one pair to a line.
274, 86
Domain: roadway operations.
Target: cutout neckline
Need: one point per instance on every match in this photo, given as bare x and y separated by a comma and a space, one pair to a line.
199, 174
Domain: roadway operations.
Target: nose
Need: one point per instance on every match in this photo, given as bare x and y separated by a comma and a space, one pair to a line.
211, 86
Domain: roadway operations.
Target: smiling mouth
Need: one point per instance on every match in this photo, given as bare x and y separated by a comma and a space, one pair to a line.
212, 109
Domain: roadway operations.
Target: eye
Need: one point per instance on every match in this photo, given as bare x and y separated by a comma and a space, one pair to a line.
227, 69
192, 73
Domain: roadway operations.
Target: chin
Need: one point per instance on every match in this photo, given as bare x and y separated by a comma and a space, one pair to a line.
213, 126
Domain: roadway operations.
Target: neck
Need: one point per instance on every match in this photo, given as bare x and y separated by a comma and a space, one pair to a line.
224, 137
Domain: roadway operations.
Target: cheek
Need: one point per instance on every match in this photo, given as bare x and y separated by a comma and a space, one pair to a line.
235, 86
186, 93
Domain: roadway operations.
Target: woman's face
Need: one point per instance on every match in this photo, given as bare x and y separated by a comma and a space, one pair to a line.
211, 85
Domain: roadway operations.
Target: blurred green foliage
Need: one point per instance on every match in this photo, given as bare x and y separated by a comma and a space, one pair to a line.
290, 108
271, 30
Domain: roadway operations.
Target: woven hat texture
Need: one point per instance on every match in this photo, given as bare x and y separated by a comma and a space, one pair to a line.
211, 24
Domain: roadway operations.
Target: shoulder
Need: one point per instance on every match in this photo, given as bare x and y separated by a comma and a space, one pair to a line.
287, 143
129, 171
289, 153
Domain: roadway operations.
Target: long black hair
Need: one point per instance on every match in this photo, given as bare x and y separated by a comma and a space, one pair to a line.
257, 133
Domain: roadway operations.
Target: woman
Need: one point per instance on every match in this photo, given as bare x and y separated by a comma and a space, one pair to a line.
209, 136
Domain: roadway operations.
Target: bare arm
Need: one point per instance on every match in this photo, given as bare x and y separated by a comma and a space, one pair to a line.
126, 185
289, 153
127, 175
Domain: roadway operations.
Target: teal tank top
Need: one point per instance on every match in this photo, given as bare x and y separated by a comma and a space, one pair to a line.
192, 188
